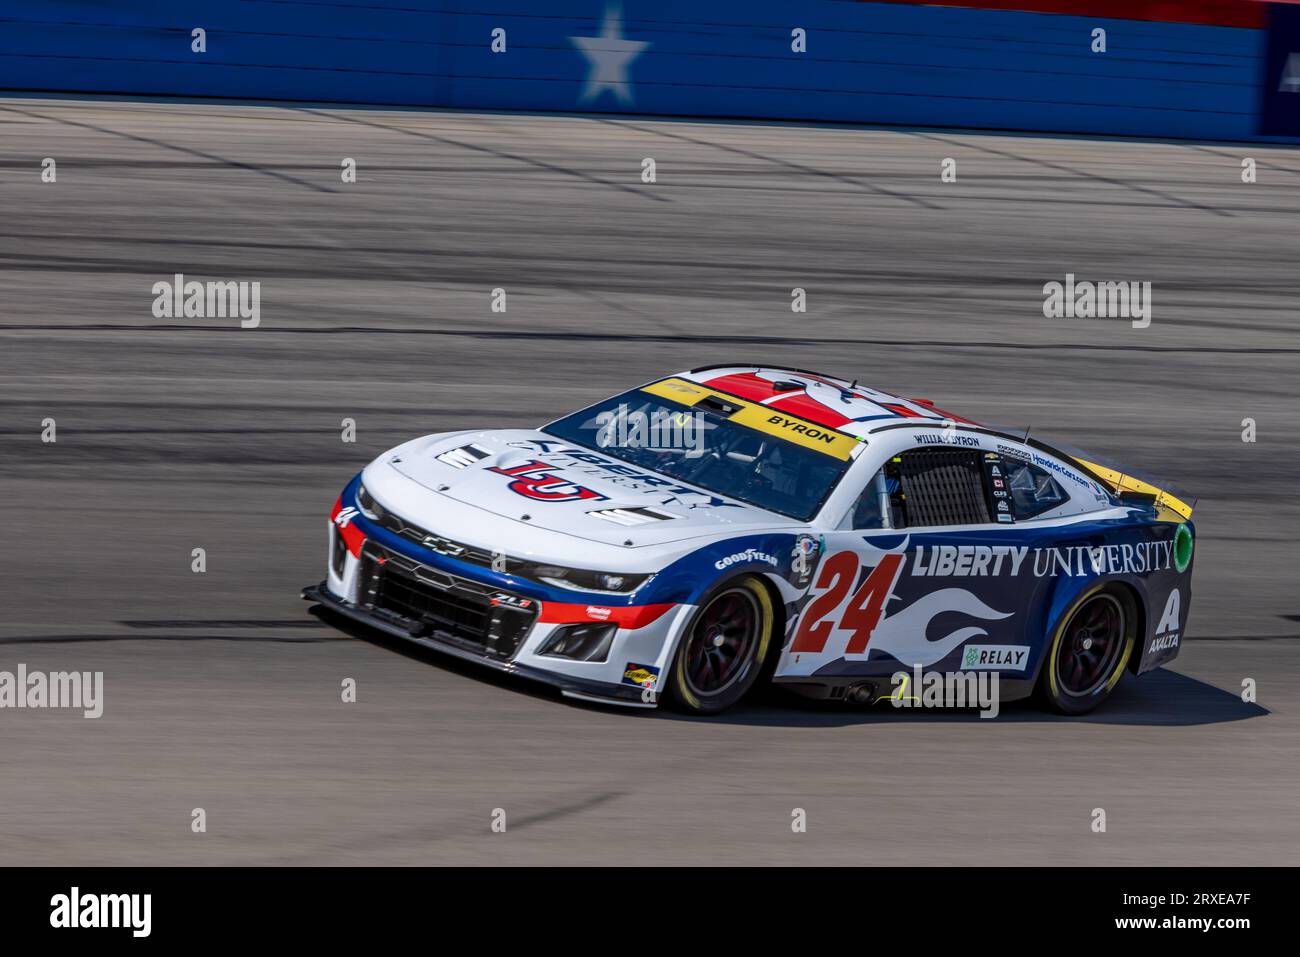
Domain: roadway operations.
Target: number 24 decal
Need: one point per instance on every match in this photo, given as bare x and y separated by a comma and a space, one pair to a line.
862, 613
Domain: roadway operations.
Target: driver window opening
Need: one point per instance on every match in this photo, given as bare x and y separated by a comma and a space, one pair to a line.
923, 487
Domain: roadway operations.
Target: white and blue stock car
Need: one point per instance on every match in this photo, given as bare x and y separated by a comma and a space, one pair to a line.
688, 538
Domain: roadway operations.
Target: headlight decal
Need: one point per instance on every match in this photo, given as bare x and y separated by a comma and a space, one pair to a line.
579, 579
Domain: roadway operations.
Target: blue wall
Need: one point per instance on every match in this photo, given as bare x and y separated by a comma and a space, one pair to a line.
866, 62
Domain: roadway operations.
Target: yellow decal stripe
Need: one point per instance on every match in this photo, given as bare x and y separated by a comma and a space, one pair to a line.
798, 431
1127, 483
679, 390
761, 418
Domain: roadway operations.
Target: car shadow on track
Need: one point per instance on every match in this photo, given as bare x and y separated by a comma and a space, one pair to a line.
1160, 698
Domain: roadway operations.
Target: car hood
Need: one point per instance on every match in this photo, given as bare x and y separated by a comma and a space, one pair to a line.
541, 484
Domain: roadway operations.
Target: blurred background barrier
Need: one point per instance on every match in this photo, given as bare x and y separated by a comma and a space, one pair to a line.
1206, 69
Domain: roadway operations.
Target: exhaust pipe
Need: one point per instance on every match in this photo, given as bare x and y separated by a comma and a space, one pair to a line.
861, 694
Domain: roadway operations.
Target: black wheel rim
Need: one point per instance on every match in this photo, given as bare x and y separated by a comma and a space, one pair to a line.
1090, 646
722, 642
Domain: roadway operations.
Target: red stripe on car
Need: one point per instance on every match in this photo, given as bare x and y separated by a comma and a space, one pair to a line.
352, 536
798, 403
630, 616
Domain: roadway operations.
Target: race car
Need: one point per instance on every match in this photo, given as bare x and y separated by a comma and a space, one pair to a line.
686, 539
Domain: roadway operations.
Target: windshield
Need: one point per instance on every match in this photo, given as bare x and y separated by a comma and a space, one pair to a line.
705, 446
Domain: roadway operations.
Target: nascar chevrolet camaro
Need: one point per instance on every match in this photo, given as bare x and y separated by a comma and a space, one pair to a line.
686, 539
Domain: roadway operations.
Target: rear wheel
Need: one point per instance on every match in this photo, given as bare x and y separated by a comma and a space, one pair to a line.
1089, 651
721, 654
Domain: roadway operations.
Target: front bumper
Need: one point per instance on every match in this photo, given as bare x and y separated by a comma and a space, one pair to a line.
571, 687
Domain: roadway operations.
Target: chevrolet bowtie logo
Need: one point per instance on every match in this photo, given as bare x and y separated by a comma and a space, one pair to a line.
443, 546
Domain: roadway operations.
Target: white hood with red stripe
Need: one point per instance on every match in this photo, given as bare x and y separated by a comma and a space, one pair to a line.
526, 492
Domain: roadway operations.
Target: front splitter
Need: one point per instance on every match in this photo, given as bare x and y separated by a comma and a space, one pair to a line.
597, 692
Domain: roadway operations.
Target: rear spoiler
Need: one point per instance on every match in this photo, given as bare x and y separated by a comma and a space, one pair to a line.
1124, 485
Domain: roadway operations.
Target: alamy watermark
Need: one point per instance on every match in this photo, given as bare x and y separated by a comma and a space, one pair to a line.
658, 431
191, 299
953, 689
1098, 300
75, 909
55, 689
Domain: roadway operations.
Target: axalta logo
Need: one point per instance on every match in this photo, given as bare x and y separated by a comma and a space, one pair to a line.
1168, 632
995, 657
345, 516
748, 555
534, 480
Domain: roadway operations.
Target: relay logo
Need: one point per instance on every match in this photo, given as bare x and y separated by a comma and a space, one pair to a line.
1000, 657
534, 480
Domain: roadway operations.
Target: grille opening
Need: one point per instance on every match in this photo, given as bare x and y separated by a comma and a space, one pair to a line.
421, 601
431, 603
431, 540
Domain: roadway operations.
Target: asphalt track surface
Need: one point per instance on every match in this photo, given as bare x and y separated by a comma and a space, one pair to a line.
222, 692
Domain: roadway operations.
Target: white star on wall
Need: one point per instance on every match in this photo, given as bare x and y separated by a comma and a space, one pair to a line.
609, 55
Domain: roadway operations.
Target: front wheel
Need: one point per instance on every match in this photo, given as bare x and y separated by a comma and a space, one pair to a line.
1089, 651
721, 654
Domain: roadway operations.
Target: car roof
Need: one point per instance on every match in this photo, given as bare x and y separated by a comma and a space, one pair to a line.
822, 399
860, 411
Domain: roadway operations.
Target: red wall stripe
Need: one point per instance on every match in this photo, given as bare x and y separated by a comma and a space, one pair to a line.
1223, 13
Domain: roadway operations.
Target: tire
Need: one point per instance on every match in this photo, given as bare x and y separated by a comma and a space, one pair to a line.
1089, 652
722, 651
